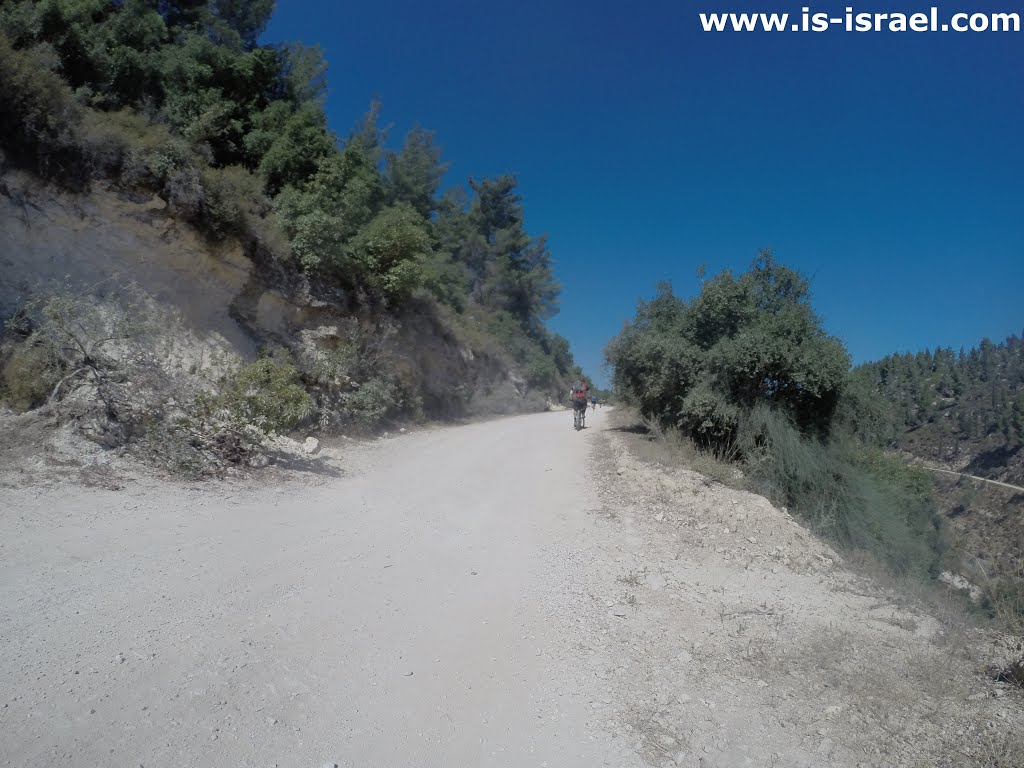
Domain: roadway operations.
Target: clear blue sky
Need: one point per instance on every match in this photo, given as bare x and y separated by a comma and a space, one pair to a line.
887, 167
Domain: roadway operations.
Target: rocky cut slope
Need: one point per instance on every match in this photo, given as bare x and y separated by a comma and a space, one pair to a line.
197, 311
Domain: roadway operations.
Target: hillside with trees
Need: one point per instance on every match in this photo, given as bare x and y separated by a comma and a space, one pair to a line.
181, 102
964, 408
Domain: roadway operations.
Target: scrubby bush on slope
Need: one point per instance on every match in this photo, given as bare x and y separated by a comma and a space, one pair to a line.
746, 371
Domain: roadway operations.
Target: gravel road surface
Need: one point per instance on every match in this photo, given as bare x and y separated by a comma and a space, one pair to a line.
419, 610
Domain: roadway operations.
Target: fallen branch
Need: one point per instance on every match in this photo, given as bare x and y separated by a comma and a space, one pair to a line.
62, 382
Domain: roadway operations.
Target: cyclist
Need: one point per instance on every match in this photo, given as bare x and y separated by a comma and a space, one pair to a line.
593, 402
578, 395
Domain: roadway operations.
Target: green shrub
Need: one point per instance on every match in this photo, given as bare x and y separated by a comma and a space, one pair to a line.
182, 189
118, 143
445, 279
541, 371
325, 213
233, 201
38, 115
30, 375
864, 413
369, 403
391, 249
291, 144
146, 155
265, 395
541, 356
744, 341
356, 376
175, 447
1004, 600
222, 202
709, 418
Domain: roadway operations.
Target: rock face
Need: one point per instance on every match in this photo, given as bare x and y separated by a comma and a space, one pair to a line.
49, 238
958, 582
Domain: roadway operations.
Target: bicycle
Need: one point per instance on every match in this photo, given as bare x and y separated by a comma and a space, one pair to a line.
579, 418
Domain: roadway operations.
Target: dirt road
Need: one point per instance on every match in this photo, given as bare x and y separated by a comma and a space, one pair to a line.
975, 477
419, 613
509, 593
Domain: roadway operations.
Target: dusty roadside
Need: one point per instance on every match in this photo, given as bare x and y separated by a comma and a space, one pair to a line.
737, 638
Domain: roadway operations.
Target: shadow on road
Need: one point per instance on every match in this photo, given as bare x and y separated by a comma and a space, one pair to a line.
311, 465
632, 429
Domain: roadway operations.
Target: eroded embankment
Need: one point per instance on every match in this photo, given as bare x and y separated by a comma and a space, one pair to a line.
735, 637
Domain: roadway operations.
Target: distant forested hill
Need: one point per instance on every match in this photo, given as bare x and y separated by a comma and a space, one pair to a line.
965, 407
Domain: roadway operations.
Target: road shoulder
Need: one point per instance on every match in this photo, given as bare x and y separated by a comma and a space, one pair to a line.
736, 637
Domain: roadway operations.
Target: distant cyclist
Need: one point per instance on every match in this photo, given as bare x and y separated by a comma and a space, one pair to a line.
578, 394
593, 402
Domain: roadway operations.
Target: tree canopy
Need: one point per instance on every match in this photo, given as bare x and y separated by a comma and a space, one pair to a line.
744, 341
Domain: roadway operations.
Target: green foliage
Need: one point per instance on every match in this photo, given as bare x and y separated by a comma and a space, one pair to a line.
37, 112
413, 175
863, 413
95, 343
743, 342
291, 144
445, 280
211, 93
541, 356
120, 144
508, 269
266, 395
303, 73
176, 447
368, 404
1004, 600
324, 215
862, 499
245, 19
30, 374
746, 372
355, 377
233, 201
393, 248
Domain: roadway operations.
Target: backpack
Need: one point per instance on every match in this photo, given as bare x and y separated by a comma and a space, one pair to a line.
579, 389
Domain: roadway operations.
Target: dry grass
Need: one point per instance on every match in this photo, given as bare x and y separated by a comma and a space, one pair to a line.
1005, 598
668, 448
953, 610
989, 746
915, 693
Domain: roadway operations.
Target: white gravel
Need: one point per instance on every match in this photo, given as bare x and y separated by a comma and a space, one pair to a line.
420, 611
